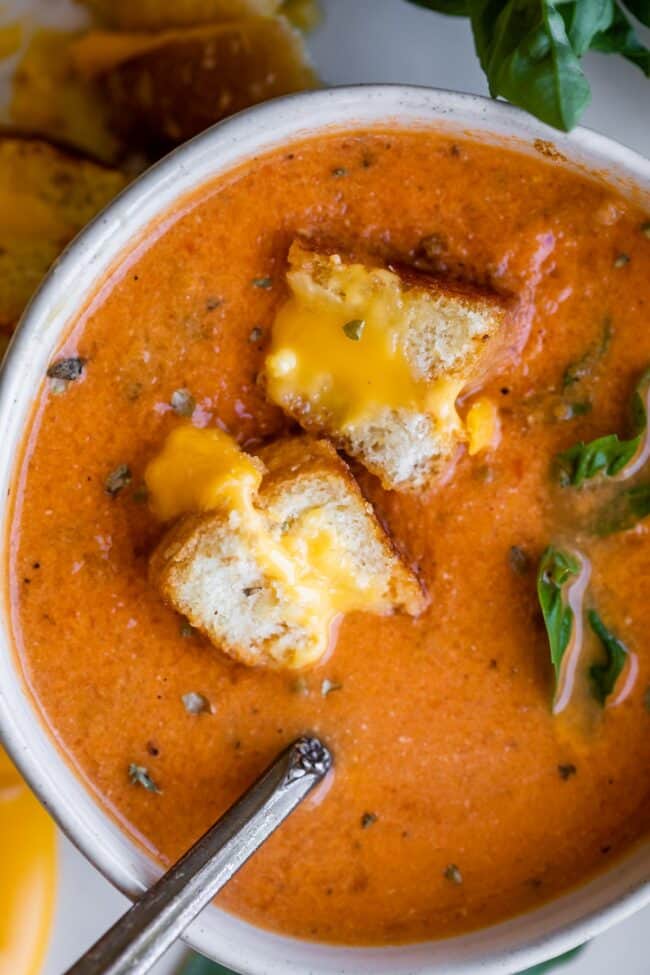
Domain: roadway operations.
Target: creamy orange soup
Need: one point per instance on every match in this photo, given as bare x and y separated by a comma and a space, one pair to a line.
458, 797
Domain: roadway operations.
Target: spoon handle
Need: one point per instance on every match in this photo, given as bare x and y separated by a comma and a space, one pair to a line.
161, 915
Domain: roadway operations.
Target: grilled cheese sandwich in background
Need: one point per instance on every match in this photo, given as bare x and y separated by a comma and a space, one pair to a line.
376, 357
268, 552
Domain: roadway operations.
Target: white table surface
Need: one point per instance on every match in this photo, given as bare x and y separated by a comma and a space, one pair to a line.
390, 41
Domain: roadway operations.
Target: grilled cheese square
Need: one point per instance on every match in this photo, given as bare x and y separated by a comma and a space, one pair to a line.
376, 357
266, 574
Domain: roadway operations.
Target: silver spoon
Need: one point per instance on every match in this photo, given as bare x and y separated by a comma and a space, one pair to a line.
161, 915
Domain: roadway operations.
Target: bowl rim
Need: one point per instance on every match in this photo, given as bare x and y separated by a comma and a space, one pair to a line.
23, 729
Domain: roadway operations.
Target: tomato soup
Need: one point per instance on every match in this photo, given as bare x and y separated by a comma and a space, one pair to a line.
459, 798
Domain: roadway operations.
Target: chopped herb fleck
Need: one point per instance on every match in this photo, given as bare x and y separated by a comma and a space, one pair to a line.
354, 328
645, 229
212, 303
195, 703
578, 409
300, 686
588, 362
265, 283
182, 402
518, 560
566, 771
368, 819
453, 874
117, 480
563, 411
484, 473
187, 630
328, 686
139, 775
287, 524
67, 369
339, 171
141, 494
646, 699
621, 260
255, 335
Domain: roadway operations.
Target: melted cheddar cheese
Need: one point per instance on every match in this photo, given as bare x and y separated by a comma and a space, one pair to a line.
345, 355
482, 425
341, 344
203, 470
198, 470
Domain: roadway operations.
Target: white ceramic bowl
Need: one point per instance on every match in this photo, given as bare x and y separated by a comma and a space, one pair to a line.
504, 948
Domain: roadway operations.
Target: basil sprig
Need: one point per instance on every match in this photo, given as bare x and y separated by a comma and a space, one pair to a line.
605, 675
558, 570
607, 455
530, 50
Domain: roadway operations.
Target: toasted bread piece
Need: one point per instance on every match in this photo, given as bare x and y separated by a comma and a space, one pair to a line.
375, 358
46, 197
48, 99
267, 583
303, 14
166, 87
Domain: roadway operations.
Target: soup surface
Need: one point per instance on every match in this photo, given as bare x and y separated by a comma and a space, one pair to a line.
458, 798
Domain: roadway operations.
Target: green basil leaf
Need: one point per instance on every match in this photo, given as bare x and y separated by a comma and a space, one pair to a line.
607, 455
526, 54
640, 9
605, 675
549, 966
583, 461
198, 965
584, 20
557, 569
456, 8
621, 38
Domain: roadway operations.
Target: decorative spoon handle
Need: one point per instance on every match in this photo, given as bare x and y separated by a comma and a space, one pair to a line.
161, 915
